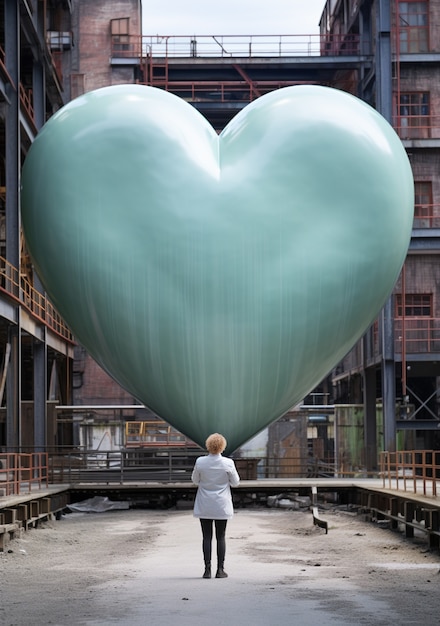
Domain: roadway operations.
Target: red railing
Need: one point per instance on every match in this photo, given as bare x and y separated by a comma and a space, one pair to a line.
417, 126
3, 65
413, 470
23, 472
427, 216
222, 91
27, 101
27, 106
18, 288
422, 335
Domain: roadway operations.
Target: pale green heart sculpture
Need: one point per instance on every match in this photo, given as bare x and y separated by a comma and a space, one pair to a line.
218, 278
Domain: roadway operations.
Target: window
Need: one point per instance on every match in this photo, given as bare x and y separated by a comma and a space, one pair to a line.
418, 333
413, 27
120, 34
416, 305
422, 204
120, 26
414, 115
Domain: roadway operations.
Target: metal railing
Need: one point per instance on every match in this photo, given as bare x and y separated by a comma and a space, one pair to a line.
3, 65
169, 464
27, 103
414, 470
427, 216
420, 334
223, 91
122, 466
417, 335
417, 126
417, 471
23, 472
239, 46
19, 288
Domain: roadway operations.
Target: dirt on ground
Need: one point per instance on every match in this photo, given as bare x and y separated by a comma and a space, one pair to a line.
138, 567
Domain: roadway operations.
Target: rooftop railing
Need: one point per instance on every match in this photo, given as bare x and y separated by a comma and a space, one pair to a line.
239, 46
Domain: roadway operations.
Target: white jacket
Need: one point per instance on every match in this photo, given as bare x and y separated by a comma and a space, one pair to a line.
214, 475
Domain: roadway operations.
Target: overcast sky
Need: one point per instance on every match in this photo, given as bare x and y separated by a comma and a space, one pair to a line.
231, 17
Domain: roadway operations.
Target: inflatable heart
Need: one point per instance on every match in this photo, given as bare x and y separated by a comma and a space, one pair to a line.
217, 278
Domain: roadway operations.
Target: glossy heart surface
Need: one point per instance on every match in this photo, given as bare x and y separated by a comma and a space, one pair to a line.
217, 278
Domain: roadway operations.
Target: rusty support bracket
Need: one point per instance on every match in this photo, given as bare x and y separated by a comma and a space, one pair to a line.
254, 90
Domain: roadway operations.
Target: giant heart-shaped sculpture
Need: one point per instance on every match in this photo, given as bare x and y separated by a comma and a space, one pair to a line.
217, 278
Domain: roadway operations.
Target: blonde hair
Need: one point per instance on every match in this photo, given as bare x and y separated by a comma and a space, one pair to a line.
215, 444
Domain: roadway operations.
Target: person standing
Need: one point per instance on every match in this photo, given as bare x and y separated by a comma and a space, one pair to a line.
214, 476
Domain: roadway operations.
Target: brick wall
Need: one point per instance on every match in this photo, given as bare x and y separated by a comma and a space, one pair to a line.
94, 40
91, 384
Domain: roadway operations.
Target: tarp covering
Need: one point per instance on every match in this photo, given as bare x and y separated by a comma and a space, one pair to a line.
97, 504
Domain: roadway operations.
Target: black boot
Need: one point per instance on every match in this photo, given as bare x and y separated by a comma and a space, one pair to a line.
221, 572
207, 572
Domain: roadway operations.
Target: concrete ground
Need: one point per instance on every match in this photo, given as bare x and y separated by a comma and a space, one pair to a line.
140, 567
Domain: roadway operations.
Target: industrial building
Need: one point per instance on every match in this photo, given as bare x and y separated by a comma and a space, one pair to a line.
386, 52
36, 346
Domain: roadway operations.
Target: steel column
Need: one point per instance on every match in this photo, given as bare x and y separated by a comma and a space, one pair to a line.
384, 95
38, 89
388, 377
12, 178
39, 348
40, 387
370, 428
384, 88
12, 132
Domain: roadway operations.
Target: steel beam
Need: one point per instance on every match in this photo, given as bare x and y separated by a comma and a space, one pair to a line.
418, 425
12, 131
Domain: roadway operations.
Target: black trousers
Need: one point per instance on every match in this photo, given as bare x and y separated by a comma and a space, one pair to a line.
220, 532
